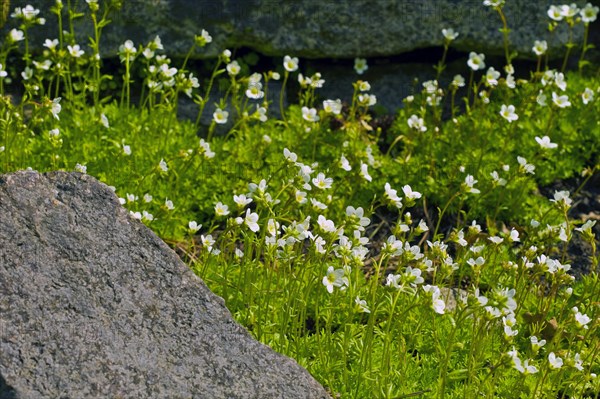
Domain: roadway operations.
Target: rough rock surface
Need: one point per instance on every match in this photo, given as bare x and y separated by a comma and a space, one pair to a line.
323, 29
93, 304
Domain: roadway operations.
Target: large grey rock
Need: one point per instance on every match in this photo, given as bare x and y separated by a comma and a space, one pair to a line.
95, 305
322, 29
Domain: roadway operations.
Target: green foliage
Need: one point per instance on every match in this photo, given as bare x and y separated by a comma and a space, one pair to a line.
368, 267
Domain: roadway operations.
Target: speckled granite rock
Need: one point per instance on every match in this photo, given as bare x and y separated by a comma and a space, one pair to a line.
322, 29
95, 305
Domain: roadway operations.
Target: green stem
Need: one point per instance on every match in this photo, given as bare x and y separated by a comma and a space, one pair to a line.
437, 226
569, 45
505, 33
585, 45
207, 93
281, 94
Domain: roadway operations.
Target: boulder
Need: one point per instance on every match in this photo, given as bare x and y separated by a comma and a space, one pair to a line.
94, 305
320, 29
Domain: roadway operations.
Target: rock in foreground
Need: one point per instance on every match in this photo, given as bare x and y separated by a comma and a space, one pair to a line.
95, 305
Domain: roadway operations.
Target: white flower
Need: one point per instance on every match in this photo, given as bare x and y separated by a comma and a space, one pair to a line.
540, 47
332, 106
569, 11
127, 51
317, 205
54, 132
536, 344
290, 156
422, 227
334, 278
527, 168
233, 68
203, 39
559, 81
514, 235
56, 107
367, 99
241, 200
261, 115
345, 164
392, 196
28, 13
166, 71
476, 61
496, 240
493, 3
545, 142
290, 64
147, 198
220, 116
251, 220
27, 73
510, 82
272, 227
207, 241
126, 149
541, 99
508, 113
586, 227
255, 91
586, 97
206, 149
148, 53
169, 204
310, 114
363, 85
561, 101
322, 182
325, 224
75, 51
555, 13
524, 368
589, 13
163, 165
509, 322
81, 168
51, 44
476, 262
497, 179
16, 35
410, 194
221, 209
449, 34
577, 362
316, 81
364, 171
193, 226
458, 81
437, 303
360, 65
492, 76
104, 121
581, 319
469, 183
414, 122
555, 361
300, 197
361, 305
147, 216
